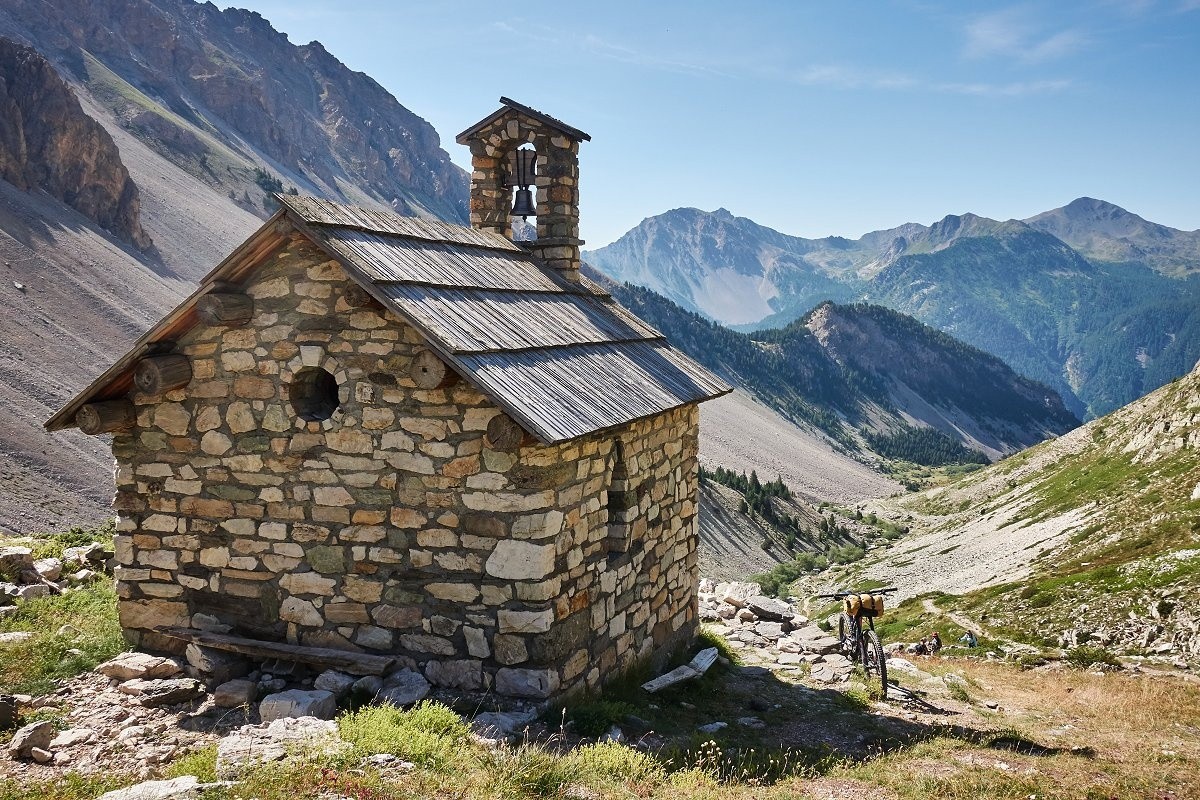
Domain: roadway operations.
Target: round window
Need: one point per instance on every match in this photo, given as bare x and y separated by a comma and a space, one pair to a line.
314, 394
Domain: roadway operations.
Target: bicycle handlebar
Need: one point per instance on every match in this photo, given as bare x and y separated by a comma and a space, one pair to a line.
845, 592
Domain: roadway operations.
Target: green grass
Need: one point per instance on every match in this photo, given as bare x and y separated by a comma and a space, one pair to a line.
84, 620
72, 786
429, 734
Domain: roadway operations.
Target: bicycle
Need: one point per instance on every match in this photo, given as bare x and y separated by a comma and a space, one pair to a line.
862, 646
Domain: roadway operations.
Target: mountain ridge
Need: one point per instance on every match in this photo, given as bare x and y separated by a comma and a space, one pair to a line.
1100, 332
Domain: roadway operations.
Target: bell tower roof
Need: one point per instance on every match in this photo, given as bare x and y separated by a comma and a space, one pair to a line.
508, 105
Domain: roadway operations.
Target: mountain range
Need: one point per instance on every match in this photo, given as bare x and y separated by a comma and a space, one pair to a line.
1097, 303
176, 122
871, 378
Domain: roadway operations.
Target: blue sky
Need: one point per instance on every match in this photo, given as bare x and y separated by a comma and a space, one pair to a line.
814, 118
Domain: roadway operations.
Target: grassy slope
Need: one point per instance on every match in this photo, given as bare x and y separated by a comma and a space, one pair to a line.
1127, 477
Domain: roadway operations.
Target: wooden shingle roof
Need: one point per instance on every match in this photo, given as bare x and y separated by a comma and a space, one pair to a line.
560, 357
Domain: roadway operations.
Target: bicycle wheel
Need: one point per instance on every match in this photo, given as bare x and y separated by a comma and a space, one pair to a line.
874, 661
848, 636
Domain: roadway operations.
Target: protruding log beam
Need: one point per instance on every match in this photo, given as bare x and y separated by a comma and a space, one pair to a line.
225, 308
430, 372
106, 416
158, 374
504, 434
358, 297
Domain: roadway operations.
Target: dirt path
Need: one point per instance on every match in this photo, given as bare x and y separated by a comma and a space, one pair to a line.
966, 623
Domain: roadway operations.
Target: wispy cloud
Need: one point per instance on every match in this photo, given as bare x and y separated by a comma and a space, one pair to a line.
849, 77
1015, 33
1016, 89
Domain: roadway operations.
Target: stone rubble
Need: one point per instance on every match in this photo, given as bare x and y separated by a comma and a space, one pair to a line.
769, 632
23, 578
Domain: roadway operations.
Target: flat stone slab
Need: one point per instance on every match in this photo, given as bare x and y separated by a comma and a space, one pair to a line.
770, 608
298, 703
185, 787
690, 671
139, 665
162, 691
274, 741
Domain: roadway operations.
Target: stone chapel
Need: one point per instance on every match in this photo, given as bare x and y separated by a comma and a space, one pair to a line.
402, 437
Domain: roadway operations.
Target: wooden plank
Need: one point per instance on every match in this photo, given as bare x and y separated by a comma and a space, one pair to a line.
344, 660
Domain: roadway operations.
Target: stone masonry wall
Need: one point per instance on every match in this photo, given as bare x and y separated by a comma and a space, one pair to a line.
392, 527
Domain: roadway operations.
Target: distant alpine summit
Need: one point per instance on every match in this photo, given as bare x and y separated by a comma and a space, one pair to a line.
1096, 302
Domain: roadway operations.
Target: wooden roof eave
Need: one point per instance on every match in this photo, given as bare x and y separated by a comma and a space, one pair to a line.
117, 379
444, 353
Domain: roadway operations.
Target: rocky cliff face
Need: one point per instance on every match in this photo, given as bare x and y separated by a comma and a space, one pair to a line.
47, 142
230, 98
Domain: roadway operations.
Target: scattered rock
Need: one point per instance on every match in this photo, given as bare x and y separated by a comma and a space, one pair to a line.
218, 665
162, 691
15, 561
297, 703
37, 734
339, 683
770, 608
49, 569
254, 744
139, 665
404, 688
694, 669
751, 722
235, 693
501, 724
72, 737
614, 734
712, 727
15, 637
186, 787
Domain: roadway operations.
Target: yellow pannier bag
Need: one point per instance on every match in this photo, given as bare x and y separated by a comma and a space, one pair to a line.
851, 604
872, 604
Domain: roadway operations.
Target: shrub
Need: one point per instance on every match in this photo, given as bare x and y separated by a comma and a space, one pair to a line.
593, 718
429, 734
1085, 656
527, 771
202, 763
612, 761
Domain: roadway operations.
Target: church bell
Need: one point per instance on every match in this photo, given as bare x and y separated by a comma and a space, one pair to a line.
523, 171
524, 207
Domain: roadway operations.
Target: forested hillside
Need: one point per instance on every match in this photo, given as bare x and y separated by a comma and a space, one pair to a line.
857, 370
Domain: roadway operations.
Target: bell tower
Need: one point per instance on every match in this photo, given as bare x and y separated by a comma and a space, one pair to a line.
516, 147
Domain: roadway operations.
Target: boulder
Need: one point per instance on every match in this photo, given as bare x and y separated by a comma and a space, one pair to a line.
501, 724
404, 688
41, 756
235, 693
48, 568
297, 703
216, 665
15, 561
32, 591
256, 744
162, 691
770, 608
72, 737
186, 787
15, 637
37, 734
769, 630
85, 555
338, 683
139, 665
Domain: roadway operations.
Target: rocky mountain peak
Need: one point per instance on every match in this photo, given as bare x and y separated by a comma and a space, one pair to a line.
47, 142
